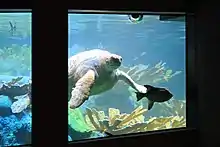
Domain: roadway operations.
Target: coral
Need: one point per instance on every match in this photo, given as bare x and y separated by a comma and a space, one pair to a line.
13, 130
145, 74
26, 121
160, 123
76, 120
16, 60
174, 107
21, 104
14, 91
117, 124
97, 134
11, 127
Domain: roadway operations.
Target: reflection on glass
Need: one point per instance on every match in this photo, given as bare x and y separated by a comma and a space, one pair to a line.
125, 75
15, 78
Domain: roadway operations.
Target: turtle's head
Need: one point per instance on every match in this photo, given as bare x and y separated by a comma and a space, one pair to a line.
113, 62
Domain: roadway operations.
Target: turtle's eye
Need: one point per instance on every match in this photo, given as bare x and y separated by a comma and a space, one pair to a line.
113, 62
116, 58
116, 61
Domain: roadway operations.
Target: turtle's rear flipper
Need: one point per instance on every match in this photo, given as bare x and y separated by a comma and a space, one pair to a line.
19, 105
81, 91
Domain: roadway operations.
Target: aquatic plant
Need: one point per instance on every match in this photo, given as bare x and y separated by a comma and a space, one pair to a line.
117, 123
78, 128
75, 135
76, 120
16, 60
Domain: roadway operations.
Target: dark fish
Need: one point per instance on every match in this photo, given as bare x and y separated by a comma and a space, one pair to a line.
154, 94
12, 28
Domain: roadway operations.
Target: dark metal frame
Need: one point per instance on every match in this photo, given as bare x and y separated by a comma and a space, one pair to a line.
42, 31
190, 66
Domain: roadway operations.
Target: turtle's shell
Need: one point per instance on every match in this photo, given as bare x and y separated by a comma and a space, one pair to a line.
102, 62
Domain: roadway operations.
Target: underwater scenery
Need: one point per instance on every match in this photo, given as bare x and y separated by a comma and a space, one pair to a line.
15, 79
126, 75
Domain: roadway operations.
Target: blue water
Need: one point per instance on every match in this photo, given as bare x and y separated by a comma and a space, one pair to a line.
15, 58
141, 44
162, 41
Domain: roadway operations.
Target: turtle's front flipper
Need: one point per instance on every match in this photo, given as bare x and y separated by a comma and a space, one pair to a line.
127, 79
81, 91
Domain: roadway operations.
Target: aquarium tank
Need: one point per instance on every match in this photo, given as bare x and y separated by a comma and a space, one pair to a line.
15, 78
126, 74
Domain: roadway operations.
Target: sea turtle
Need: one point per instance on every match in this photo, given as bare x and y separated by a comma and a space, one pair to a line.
93, 72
